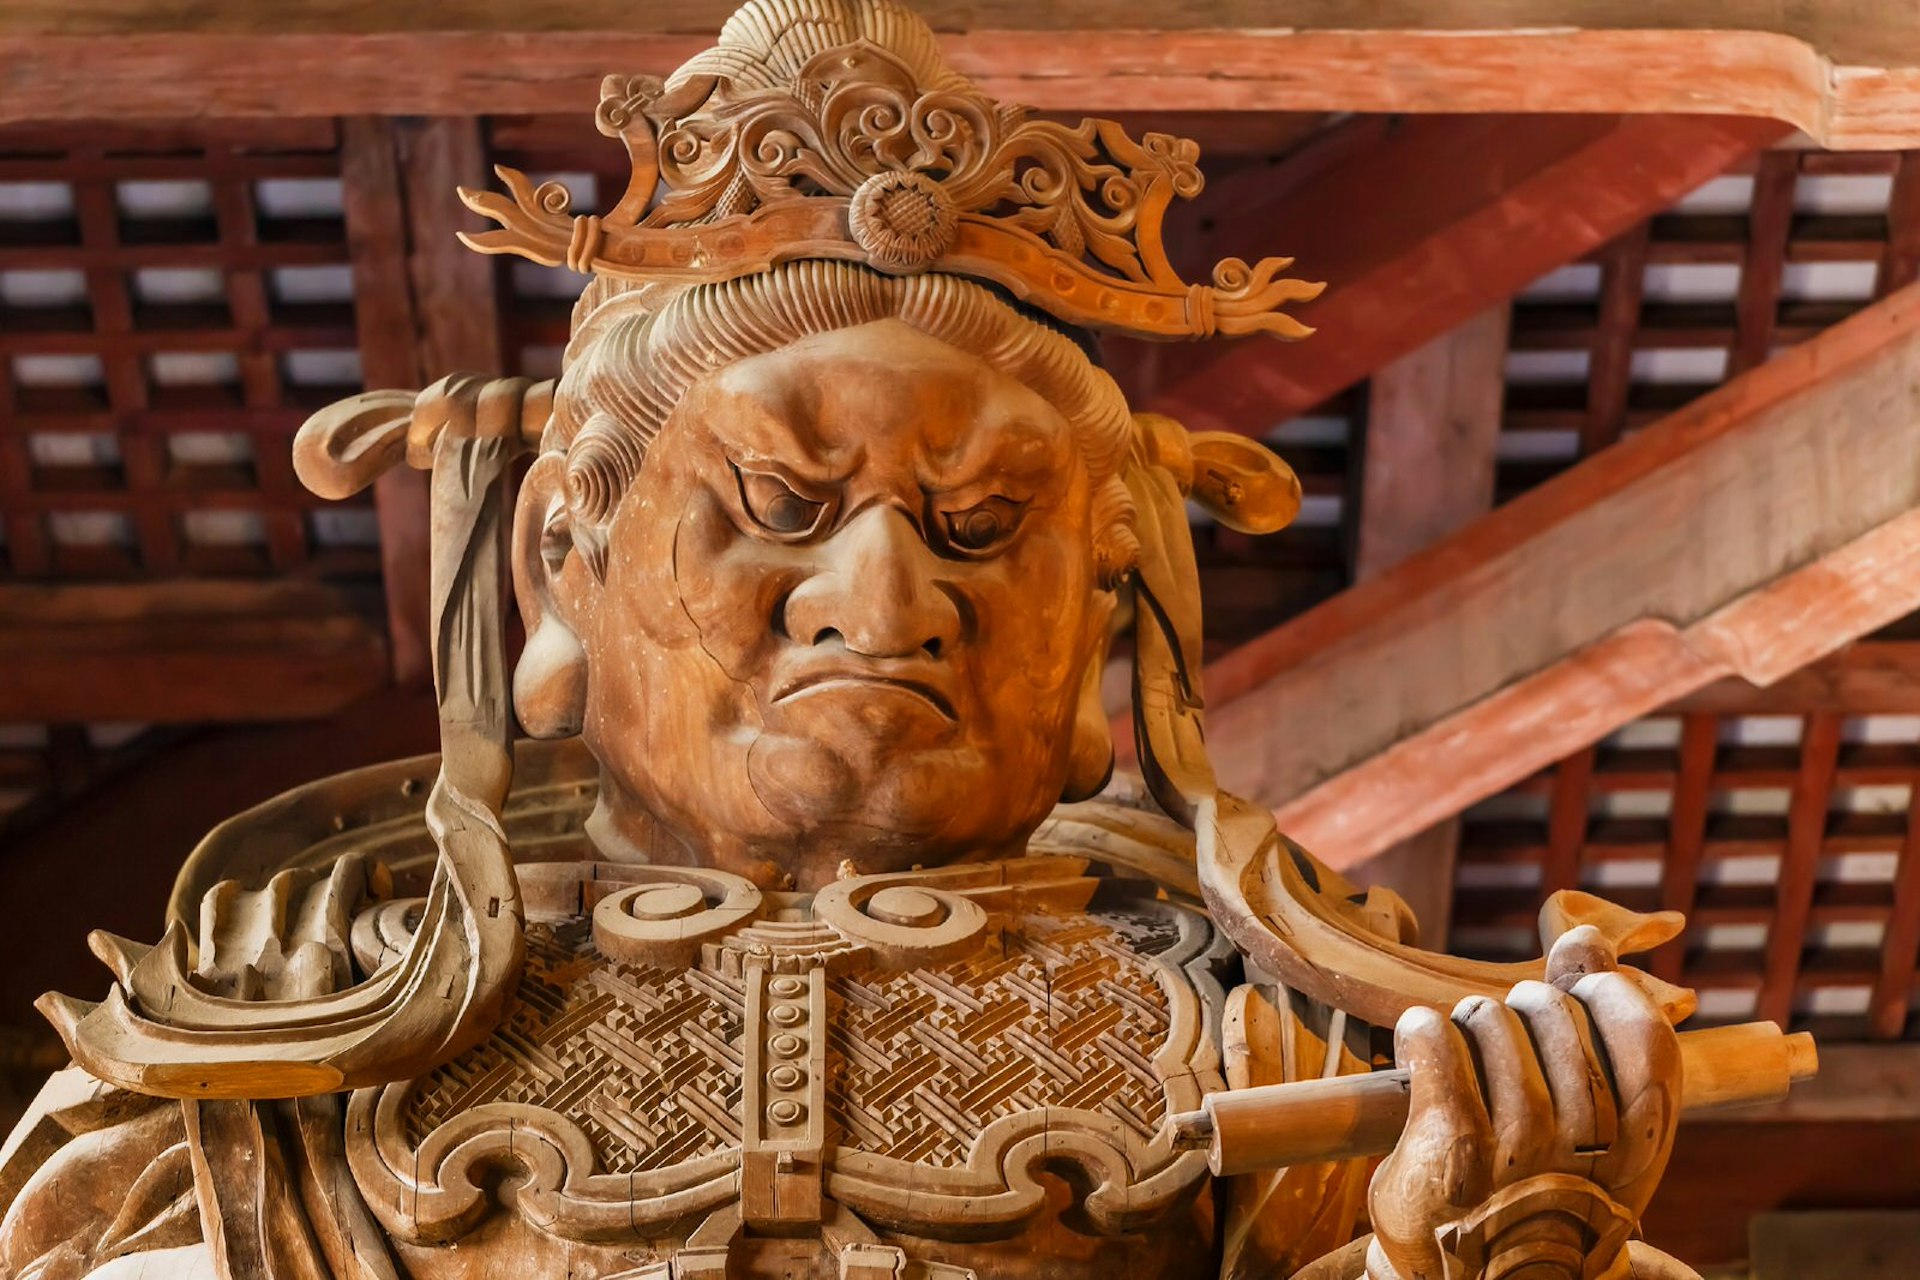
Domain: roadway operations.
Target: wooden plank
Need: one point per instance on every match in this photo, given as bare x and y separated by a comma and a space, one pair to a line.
1421, 869
1769, 226
1504, 200
1725, 1171
1901, 265
1433, 420
1837, 1245
1678, 557
1568, 817
1623, 274
1799, 864
1845, 71
183, 651
1427, 470
454, 289
389, 341
1869, 677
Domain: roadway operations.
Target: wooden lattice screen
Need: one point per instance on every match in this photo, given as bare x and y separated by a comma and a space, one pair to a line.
1790, 841
175, 301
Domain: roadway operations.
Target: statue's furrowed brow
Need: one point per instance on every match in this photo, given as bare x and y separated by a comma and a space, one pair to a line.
753, 429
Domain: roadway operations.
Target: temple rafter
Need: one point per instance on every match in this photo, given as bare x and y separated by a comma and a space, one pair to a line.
167, 652
1504, 200
1753, 532
1847, 72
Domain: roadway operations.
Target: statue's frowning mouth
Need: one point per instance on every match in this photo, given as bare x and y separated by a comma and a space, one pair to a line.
822, 679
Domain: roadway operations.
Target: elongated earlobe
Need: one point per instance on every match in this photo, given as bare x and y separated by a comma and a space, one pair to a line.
1090, 758
550, 680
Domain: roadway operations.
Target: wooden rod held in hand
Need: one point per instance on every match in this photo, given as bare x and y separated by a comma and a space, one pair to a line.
1342, 1117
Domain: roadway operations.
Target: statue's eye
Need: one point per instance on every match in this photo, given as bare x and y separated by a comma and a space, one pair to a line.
983, 526
775, 507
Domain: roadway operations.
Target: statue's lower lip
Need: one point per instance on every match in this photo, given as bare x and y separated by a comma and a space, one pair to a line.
814, 684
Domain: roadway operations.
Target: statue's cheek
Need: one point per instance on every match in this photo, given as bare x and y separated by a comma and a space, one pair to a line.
1034, 616
727, 588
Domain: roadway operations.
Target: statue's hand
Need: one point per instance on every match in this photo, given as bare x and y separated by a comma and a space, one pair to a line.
1539, 1126
290, 939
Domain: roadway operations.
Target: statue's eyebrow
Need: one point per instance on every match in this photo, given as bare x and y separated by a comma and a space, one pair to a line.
775, 429
973, 462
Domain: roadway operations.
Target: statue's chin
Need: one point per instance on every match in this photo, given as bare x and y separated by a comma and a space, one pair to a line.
880, 805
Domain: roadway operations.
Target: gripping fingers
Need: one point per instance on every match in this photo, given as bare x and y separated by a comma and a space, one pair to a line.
1519, 1105
1644, 1053
1577, 953
1583, 1101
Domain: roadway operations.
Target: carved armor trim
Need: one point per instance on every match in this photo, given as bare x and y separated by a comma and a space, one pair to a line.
792, 1068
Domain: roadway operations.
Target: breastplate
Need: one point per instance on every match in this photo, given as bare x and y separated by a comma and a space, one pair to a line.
691, 1063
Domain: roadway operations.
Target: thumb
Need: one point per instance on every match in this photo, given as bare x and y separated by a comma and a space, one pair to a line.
1440, 1167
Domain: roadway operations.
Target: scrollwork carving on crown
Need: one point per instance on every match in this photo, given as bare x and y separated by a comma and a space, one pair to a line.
855, 157
854, 115
1042, 1017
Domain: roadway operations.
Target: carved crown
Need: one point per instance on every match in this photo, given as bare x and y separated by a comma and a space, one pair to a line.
833, 129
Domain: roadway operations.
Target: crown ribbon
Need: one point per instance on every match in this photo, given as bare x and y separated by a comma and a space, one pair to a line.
853, 158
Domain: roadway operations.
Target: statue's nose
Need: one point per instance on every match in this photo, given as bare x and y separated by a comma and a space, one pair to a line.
876, 590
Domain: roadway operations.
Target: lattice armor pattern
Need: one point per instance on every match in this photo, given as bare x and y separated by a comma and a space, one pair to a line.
929, 1058
643, 1060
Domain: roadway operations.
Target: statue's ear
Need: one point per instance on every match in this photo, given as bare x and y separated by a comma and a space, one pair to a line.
550, 681
1090, 758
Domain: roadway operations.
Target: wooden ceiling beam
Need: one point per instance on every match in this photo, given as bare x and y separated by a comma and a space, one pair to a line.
1870, 677
1420, 223
180, 651
389, 339
1751, 533
1726, 1170
1845, 71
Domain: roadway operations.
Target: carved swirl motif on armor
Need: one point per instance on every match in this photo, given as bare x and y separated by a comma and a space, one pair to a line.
628, 1095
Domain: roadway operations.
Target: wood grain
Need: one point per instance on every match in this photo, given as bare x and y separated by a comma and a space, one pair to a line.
183, 651
1597, 619
1848, 74
1433, 424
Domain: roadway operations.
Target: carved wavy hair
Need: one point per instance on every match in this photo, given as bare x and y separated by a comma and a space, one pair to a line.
636, 350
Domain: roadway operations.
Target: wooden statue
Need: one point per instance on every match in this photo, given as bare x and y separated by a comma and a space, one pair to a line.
815, 939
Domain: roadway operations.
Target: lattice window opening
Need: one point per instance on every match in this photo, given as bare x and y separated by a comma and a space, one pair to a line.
1746, 845
38, 213
301, 286
1813, 227
192, 261
326, 373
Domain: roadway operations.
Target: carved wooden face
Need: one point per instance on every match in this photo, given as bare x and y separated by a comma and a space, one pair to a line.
847, 610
